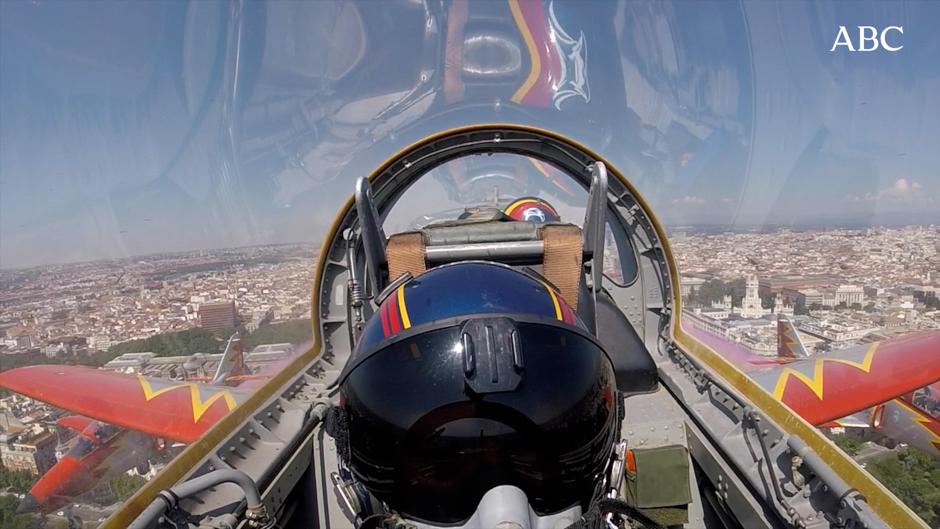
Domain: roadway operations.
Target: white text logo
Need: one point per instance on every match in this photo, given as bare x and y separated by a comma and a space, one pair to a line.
869, 39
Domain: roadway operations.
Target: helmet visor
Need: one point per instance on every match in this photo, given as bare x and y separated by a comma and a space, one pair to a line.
425, 443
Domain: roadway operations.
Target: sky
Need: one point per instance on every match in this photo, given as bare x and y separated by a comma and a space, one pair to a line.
136, 128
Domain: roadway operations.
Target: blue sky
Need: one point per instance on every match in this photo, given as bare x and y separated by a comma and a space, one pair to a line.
123, 132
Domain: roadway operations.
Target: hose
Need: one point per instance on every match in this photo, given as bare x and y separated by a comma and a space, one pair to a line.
169, 499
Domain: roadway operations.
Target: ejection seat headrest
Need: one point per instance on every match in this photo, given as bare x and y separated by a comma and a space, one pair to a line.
554, 246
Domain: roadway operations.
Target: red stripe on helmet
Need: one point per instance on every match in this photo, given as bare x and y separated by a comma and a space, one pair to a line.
567, 314
394, 318
383, 315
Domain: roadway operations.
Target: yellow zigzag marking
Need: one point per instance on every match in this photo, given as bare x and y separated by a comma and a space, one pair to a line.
816, 382
536, 66
199, 406
790, 341
921, 421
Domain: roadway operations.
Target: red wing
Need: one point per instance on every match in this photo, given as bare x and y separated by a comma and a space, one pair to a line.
75, 422
178, 411
826, 388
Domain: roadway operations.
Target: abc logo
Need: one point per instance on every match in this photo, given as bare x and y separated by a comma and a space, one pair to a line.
869, 39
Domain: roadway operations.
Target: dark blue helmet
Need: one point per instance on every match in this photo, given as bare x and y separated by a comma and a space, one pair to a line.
461, 290
471, 376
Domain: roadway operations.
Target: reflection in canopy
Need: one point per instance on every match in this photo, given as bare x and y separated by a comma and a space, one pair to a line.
132, 129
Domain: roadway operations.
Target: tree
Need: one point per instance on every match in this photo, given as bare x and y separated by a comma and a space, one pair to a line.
800, 309
737, 289
11, 361
849, 445
125, 485
715, 290
182, 343
914, 477
8, 517
767, 300
15, 480
291, 331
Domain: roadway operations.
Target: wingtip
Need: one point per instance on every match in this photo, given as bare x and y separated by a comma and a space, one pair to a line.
27, 505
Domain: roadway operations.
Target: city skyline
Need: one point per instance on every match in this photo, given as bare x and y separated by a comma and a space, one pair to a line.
880, 274
314, 246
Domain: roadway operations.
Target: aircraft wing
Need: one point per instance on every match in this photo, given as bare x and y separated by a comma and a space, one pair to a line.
735, 353
901, 420
178, 411
838, 384
856, 420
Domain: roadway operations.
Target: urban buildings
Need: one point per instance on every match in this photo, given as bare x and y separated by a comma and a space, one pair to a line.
77, 309
31, 449
218, 317
841, 287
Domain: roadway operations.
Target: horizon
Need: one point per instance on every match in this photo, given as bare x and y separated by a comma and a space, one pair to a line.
697, 229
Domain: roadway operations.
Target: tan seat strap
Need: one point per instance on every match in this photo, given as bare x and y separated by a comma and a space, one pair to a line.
562, 261
405, 252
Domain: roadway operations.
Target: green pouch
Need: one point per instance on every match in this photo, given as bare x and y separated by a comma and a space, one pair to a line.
660, 486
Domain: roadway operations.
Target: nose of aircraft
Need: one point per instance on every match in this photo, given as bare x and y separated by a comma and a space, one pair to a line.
28, 504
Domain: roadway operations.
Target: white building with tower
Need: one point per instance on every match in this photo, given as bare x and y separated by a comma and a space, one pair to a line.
750, 305
780, 307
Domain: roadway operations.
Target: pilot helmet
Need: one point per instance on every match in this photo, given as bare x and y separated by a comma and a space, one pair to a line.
472, 376
532, 209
